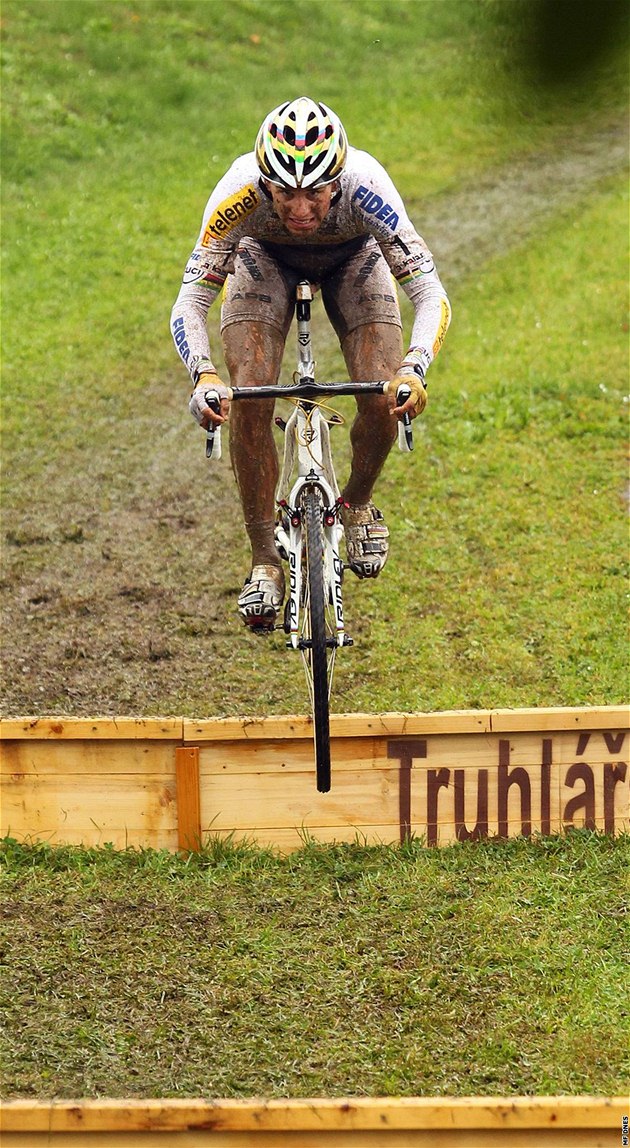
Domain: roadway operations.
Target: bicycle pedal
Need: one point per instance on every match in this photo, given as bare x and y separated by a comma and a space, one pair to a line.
259, 629
358, 574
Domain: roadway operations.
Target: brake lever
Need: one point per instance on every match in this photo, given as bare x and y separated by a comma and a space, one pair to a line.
213, 431
405, 430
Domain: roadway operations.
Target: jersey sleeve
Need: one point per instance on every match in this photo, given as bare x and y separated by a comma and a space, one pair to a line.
380, 207
235, 198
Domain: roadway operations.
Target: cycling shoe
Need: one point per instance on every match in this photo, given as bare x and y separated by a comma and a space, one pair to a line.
261, 597
367, 539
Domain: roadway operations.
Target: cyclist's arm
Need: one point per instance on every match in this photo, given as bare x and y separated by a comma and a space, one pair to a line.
412, 266
232, 202
379, 206
203, 280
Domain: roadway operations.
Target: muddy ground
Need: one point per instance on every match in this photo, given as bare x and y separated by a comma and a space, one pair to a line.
121, 565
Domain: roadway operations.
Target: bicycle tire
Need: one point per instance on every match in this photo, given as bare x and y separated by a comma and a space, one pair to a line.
317, 651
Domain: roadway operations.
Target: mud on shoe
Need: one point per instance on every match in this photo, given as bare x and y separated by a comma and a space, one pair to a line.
367, 539
260, 599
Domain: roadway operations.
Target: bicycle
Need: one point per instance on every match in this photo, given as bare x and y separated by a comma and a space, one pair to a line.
309, 528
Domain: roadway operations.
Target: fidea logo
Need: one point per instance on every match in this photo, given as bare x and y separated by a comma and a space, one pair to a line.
229, 213
374, 204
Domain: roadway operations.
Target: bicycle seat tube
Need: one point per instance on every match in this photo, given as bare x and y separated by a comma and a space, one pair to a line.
304, 296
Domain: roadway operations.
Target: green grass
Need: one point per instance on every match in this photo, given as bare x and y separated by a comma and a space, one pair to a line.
507, 583
493, 968
515, 499
119, 118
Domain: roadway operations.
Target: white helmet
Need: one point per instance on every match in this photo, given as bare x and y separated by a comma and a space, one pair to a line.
301, 144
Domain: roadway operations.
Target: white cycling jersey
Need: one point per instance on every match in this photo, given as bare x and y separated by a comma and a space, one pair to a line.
366, 204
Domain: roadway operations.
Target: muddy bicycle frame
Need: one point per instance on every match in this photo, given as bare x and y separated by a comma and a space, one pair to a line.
309, 528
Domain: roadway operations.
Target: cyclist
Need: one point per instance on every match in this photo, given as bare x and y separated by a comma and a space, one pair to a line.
305, 205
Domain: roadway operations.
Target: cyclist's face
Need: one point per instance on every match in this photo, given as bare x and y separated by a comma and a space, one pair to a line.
301, 211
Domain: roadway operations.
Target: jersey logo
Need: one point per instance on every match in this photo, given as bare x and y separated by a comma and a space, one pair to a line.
230, 213
179, 335
374, 205
445, 318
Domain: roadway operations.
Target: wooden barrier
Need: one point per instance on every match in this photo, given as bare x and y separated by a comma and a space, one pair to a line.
172, 783
89, 782
353, 1122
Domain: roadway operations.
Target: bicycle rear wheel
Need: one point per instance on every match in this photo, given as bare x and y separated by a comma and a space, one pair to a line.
314, 647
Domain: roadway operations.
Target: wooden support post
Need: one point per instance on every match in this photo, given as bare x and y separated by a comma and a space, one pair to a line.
188, 805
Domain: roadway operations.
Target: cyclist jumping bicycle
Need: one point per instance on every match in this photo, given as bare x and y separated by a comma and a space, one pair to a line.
304, 205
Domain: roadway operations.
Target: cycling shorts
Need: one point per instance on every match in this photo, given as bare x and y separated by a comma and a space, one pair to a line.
356, 283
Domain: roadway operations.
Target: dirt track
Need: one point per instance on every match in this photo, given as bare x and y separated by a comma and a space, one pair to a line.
480, 223
113, 597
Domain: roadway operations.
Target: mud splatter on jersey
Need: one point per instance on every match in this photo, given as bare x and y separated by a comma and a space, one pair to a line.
367, 203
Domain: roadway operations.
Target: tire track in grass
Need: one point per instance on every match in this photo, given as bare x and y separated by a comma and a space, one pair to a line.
476, 223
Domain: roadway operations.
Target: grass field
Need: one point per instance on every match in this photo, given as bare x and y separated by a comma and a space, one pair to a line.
494, 968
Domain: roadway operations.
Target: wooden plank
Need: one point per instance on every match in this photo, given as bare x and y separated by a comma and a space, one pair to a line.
100, 758
253, 801
316, 1114
247, 728
124, 810
62, 727
440, 785
188, 801
451, 751
281, 756
446, 750
298, 726
561, 718
528, 748
401, 725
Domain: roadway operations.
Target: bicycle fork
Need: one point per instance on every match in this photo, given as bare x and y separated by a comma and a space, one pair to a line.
290, 543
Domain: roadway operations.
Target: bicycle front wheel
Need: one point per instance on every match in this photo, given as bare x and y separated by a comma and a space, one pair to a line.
314, 645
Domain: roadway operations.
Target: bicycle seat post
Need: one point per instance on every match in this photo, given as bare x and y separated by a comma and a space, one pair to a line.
306, 365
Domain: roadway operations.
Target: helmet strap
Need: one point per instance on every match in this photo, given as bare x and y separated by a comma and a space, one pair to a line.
336, 195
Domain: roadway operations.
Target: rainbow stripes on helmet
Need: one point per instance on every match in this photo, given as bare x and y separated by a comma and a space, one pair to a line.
301, 144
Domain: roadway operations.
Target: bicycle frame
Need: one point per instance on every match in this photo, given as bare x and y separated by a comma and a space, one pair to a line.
309, 530
308, 430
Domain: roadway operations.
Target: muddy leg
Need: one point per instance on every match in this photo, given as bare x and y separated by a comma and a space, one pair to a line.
253, 355
373, 351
